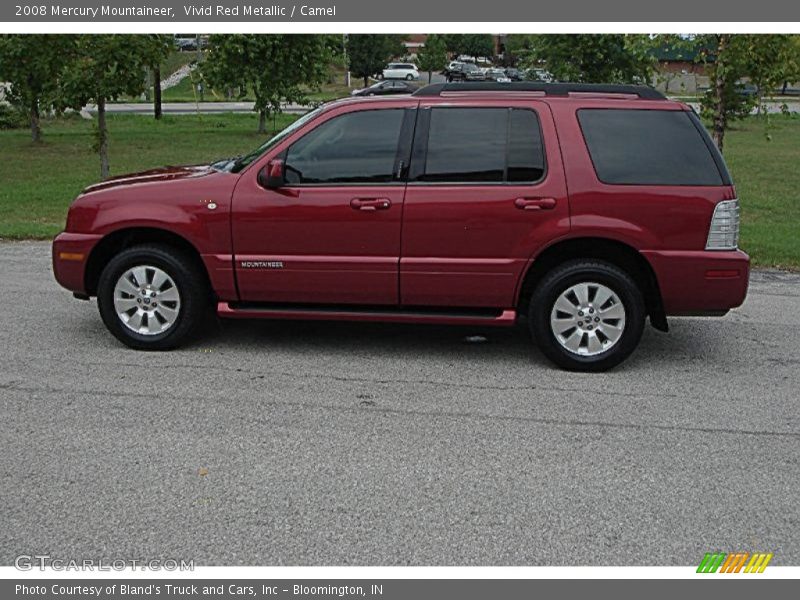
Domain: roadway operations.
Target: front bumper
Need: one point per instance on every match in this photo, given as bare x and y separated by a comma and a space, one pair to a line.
700, 282
70, 256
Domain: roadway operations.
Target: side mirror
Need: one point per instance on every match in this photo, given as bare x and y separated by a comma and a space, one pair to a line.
271, 176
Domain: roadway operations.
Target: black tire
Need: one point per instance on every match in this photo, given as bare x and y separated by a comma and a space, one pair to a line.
409, 77
572, 273
189, 280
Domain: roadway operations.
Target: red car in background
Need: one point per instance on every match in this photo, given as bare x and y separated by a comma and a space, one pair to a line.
584, 208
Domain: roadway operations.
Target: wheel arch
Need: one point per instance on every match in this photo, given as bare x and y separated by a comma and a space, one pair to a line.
120, 239
613, 251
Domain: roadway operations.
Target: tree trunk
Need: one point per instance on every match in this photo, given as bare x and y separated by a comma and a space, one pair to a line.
720, 116
366, 81
262, 121
102, 137
157, 91
36, 129
430, 76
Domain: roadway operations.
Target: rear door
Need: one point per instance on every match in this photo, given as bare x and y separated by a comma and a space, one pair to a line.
331, 234
486, 190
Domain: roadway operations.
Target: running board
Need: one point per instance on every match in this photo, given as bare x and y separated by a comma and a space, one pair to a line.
500, 318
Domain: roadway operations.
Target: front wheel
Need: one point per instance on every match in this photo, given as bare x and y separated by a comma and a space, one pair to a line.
409, 77
152, 297
587, 315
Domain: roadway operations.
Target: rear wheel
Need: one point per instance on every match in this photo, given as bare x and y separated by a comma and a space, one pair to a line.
409, 77
587, 315
152, 297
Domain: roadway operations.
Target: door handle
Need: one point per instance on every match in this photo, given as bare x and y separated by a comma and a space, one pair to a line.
535, 203
370, 203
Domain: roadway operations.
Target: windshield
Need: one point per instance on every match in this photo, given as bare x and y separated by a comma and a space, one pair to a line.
234, 166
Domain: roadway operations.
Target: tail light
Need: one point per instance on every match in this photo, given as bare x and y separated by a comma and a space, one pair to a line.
724, 231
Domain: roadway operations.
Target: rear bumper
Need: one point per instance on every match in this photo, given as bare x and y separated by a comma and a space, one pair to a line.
70, 255
700, 282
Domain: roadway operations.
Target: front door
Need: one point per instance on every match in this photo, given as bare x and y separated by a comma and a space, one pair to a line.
484, 194
331, 234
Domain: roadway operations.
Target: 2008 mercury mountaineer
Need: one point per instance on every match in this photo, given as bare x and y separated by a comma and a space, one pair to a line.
586, 208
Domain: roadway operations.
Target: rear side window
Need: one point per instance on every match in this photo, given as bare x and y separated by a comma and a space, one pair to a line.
648, 147
357, 147
525, 151
483, 145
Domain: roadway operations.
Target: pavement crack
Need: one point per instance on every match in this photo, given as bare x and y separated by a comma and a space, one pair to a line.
452, 415
384, 381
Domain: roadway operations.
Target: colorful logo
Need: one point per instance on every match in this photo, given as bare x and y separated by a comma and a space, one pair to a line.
734, 562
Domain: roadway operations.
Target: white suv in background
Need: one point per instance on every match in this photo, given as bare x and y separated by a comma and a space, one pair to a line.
407, 71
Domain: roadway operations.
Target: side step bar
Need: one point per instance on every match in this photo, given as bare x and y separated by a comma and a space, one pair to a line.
503, 318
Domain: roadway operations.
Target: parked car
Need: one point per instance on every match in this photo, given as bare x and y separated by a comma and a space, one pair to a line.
557, 207
406, 71
452, 67
384, 88
540, 75
748, 90
188, 43
514, 74
495, 74
465, 72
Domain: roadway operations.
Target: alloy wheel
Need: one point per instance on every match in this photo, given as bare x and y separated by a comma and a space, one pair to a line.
146, 300
587, 319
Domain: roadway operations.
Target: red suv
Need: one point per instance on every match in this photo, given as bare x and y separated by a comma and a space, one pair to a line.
585, 208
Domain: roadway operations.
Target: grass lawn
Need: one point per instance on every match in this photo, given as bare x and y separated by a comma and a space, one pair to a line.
39, 182
767, 177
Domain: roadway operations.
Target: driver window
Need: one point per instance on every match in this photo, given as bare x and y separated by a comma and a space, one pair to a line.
358, 147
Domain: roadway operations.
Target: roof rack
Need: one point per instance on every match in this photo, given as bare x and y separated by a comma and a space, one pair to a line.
549, 89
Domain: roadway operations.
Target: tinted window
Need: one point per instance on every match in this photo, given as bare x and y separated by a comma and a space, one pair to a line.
356, 147
525, 152
481, 145
467, 144
647, 147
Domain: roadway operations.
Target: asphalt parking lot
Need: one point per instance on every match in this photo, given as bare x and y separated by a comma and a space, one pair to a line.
313, 443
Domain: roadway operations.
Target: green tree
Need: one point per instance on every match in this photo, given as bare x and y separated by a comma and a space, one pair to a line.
277, 68
765, 60
793, 67
605, 58
369, 53
663, 49
471, 44
433, 56
32, 65
774, 60
517, 47
104, 68
160, 48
